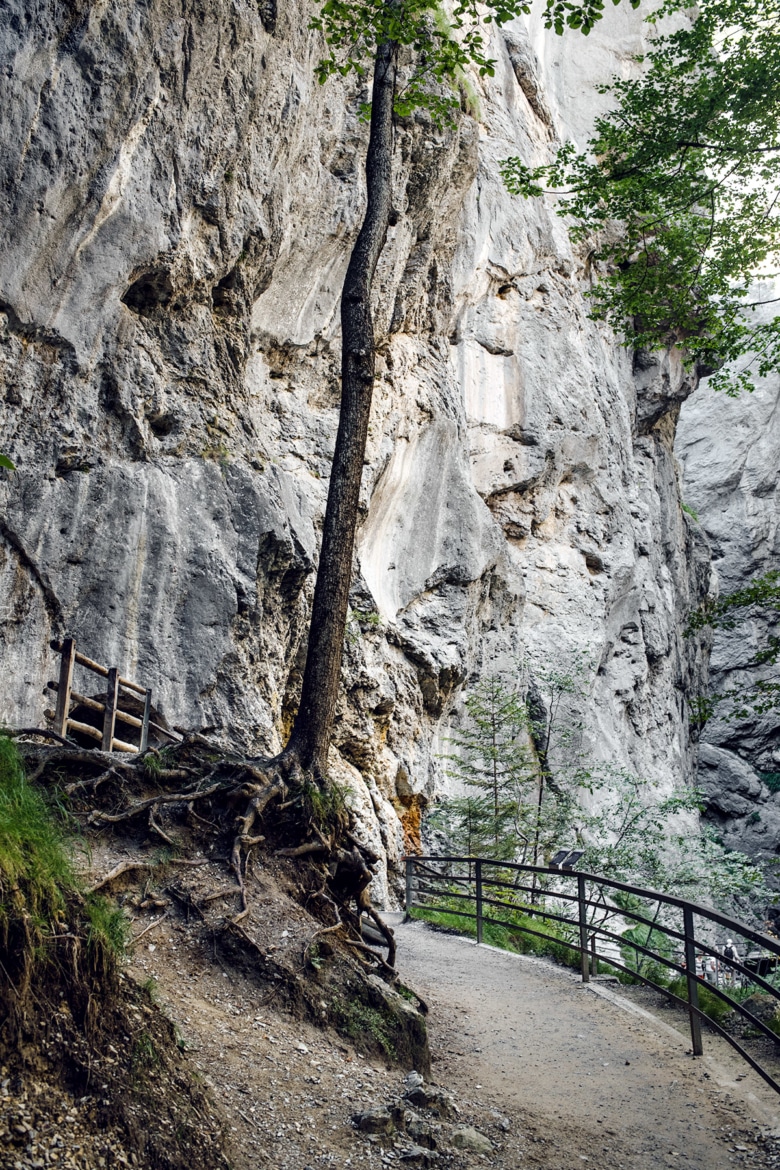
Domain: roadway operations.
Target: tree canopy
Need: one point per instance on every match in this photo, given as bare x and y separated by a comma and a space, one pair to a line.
678, 189
443, 43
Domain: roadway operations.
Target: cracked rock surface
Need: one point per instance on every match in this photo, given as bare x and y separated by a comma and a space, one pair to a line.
179, 198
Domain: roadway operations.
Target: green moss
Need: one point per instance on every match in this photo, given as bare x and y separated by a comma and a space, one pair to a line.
356, 1020
325, 807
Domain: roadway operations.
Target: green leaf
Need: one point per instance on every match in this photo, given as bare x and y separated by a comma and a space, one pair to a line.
6, 463
679, 188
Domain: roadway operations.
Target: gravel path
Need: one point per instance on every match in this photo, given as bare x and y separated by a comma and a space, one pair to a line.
588, 1076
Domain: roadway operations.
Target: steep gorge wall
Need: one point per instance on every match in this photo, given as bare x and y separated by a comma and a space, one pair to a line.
729, 450
179, 202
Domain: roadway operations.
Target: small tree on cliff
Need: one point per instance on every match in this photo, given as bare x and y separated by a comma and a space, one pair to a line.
363, 34
358, 34
759, 599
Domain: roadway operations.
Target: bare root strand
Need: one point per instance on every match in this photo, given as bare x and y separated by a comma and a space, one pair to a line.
128, 866
227, 893
155, 828
97, 817
386, 931
44, 731
146, 929
308, 848
260, 799
367, 950
93, 784
118, 871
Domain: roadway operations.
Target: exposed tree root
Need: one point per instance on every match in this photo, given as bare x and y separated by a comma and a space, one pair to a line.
43, 731
129, 866
367, 950
146, 929
98, 817
311, 826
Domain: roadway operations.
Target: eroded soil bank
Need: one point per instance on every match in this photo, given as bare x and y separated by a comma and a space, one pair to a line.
552, 1074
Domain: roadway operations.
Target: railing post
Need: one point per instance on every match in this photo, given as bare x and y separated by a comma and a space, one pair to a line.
594, 959
409, 877
693, 987
109, 715
583, 909
67, 662
144, 740
478, 879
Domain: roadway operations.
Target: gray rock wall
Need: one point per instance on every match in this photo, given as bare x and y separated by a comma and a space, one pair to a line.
179, 202
729, 450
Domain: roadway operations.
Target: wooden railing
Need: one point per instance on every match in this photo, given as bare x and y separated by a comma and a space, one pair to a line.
110, 708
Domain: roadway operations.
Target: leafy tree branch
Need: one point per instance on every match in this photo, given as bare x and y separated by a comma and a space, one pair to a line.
677, 192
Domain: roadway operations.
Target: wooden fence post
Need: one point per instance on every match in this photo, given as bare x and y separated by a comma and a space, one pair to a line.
109, 715
67, 662
478, 879
144, 740
409, 877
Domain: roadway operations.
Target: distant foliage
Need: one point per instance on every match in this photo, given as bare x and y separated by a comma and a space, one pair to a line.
677, 193
443, 44
530, 790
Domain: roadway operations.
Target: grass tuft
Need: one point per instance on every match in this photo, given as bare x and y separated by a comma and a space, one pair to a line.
39, 886
35, 862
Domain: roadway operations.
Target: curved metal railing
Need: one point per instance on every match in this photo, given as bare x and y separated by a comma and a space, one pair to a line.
681, 937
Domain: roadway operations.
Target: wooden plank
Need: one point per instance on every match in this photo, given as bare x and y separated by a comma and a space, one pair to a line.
118, 745
109, 714
68, 652
94, 705
86, 729
96, 668
82, 659
174, 736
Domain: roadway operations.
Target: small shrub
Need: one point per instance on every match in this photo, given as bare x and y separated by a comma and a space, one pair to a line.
145, 1056
108, 928
711, 1005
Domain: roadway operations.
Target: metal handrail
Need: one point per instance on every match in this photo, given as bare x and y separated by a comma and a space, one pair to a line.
425, 876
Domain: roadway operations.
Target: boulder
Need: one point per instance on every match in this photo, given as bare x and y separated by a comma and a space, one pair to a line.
433, 1098
468, 1138
377, 1120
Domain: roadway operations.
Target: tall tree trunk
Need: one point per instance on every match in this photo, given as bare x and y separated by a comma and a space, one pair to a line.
313, 725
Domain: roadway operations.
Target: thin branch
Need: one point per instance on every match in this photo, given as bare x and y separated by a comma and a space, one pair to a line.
146, 929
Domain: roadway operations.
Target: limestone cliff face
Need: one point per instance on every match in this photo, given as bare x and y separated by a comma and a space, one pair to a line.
730, 456
179, 200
